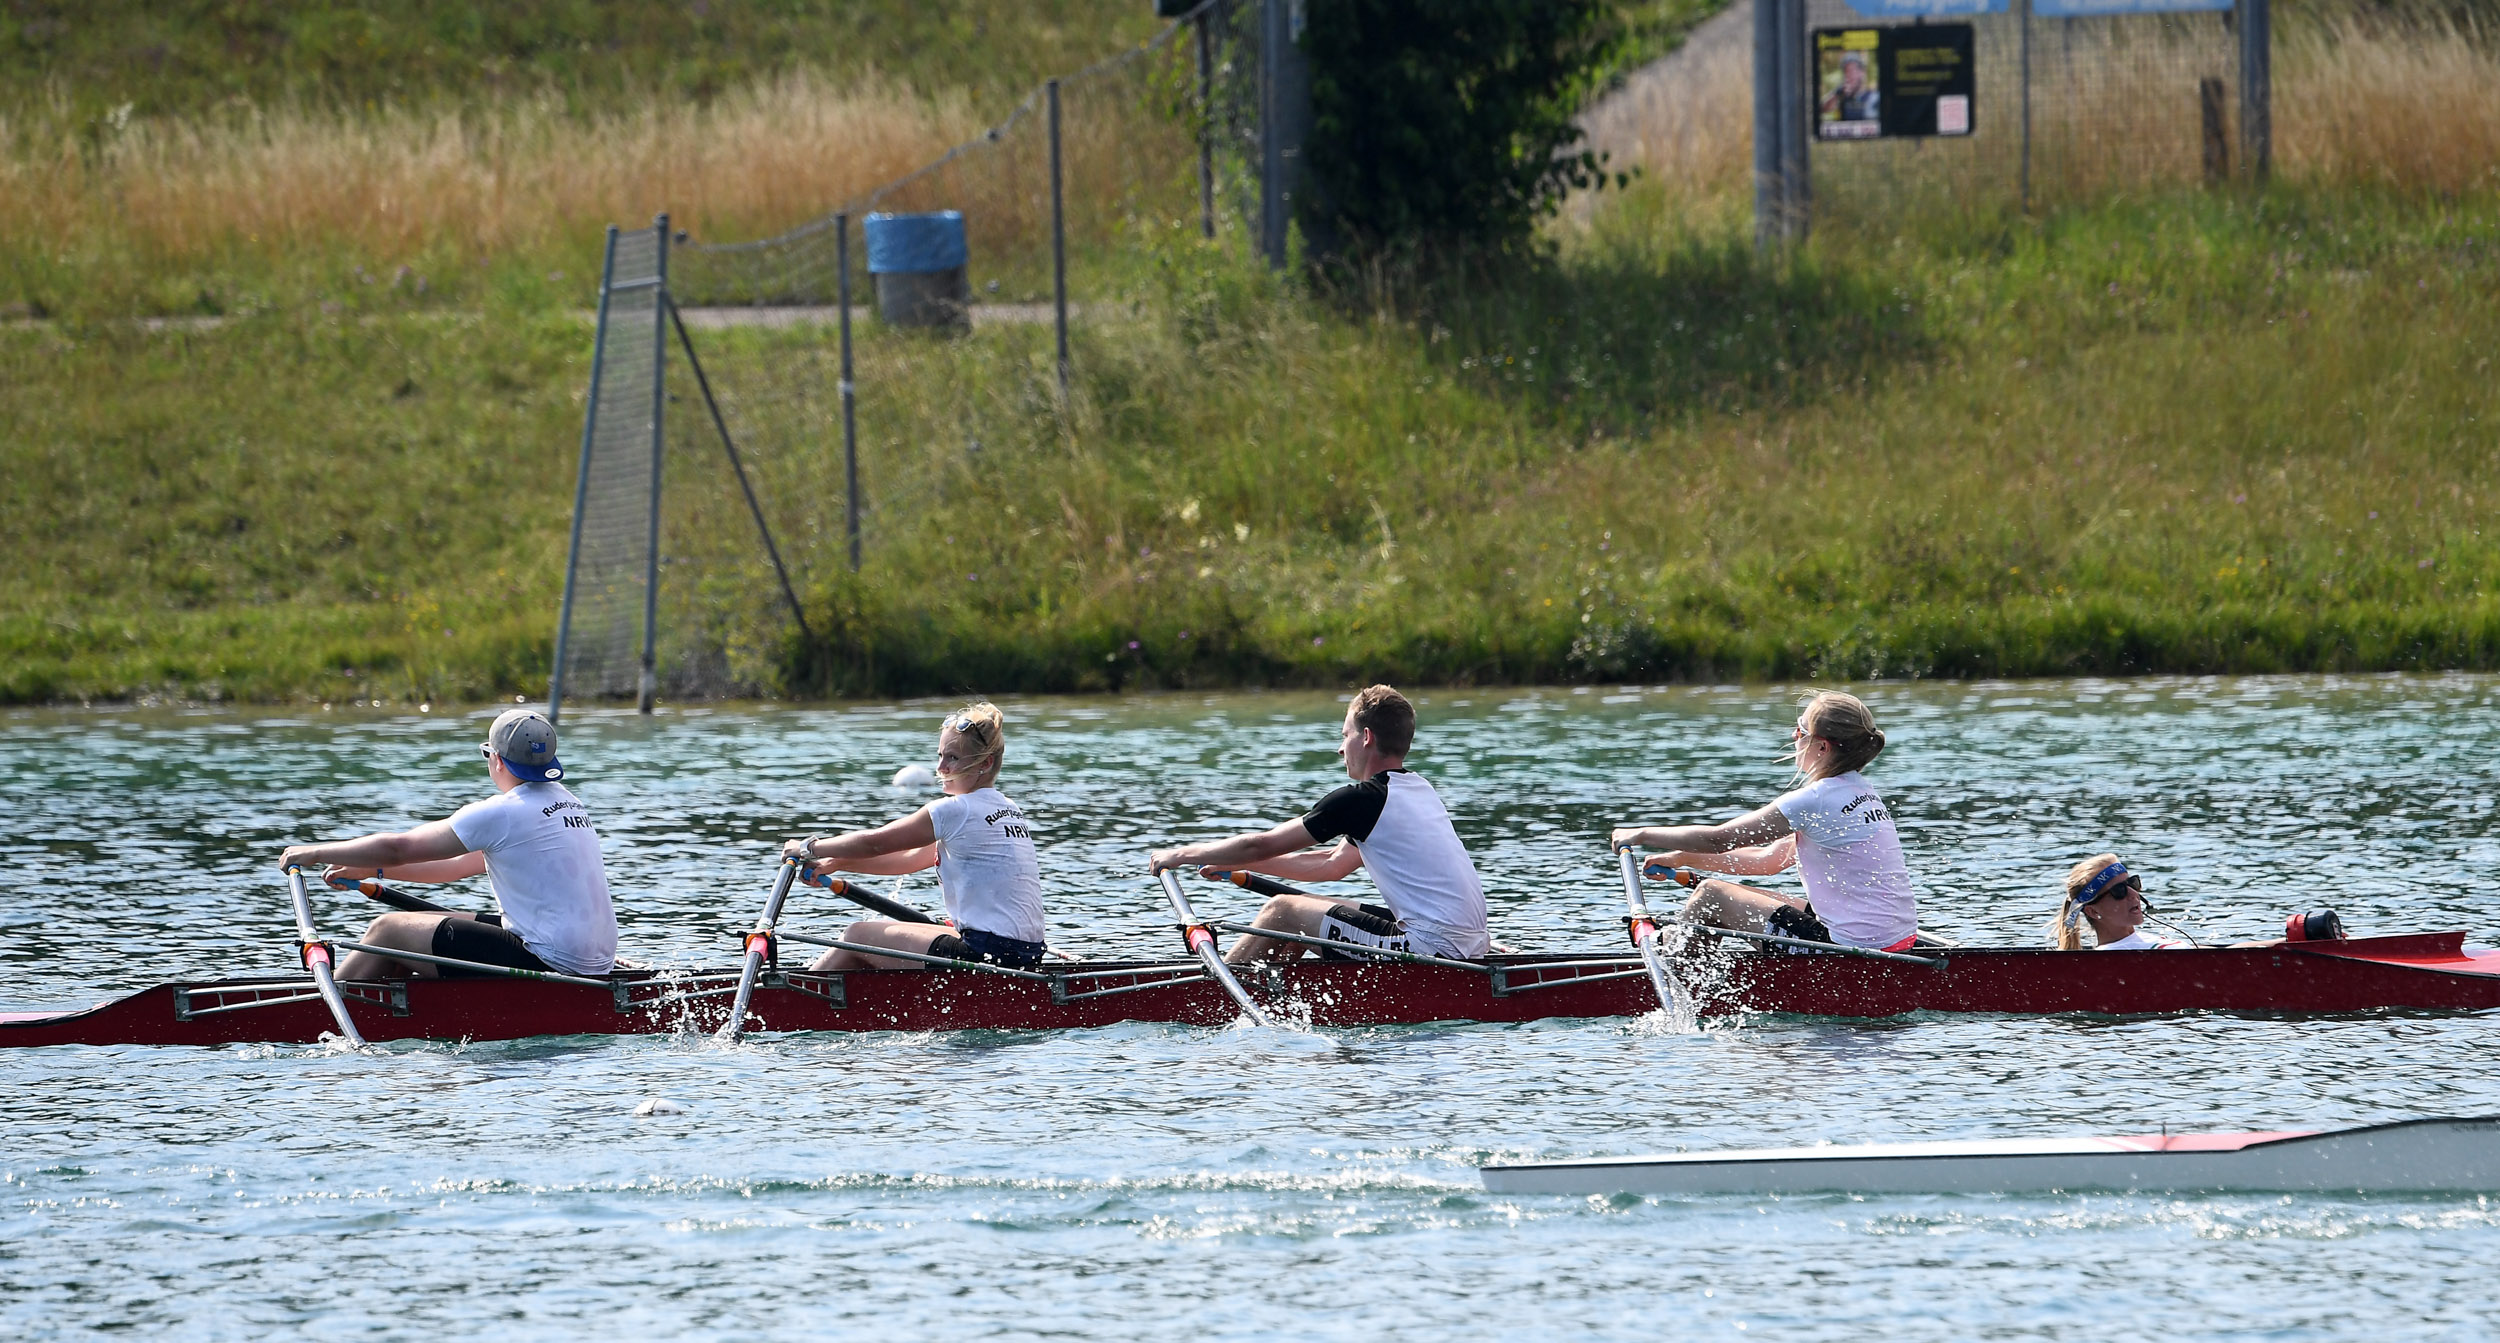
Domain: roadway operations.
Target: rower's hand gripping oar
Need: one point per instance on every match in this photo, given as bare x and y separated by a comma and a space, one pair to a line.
1644, 927
759, 949
317, 959
1202, 942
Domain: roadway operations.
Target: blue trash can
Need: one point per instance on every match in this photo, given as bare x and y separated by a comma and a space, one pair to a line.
917, 263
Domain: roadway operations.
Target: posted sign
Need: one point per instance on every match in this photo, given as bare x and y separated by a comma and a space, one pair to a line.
1882, 83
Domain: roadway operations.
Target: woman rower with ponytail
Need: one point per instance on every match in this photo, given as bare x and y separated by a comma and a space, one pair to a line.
978, 841
1833, 828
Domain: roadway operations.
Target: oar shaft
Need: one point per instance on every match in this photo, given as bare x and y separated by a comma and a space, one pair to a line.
759, 944
1671, 994
1250, 881
1202, 944
317, 959
870, 900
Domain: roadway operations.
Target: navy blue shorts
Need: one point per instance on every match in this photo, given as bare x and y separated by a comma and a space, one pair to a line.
971, 944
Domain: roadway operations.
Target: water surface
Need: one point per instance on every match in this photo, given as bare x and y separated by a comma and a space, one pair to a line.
1146, 1179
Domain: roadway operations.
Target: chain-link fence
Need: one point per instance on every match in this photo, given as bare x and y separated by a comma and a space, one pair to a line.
2065, 100
1062, 201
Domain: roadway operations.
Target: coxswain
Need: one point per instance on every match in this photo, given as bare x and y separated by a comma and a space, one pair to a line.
1390, 823
1833, 827
980, 843
534, 842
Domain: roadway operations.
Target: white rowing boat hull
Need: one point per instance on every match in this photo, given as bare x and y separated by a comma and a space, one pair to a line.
2412, 1156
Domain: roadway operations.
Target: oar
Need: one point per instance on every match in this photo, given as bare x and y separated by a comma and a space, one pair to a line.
868, 899
1671, 995
1202, 942
759, 947
380, 894
1251, 882
317, 958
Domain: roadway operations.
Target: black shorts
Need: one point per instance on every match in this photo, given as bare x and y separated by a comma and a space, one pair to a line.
1361, 926
1803, 924
971, 944
486, 943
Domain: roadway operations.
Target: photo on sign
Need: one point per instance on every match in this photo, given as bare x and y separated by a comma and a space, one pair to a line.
1893, 82
1852, 103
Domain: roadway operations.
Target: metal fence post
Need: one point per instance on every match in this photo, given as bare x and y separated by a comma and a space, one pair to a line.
1769, 193
850, 418
2256, 88
1796, 119
2026, 178
1058, 244
581, 485
648, 691
1206, 123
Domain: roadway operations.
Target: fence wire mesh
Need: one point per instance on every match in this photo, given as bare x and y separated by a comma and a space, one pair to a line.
599, 638
1159, 139
2065, 109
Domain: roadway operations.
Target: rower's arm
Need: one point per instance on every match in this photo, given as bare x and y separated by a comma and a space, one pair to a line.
881, 852
1760, 860
1241, 851
428, 843
1330, 864
1754, 828
900, 863
440, 870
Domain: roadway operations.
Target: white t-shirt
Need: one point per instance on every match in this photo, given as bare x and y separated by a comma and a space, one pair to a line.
986, 865
542, 855
1412, 851
1850, 857
2137, 941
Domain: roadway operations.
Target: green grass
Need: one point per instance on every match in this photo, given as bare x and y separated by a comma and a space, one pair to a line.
189, 57
2200, 432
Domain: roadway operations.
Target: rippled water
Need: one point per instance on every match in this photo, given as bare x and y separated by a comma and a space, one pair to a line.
1153, 1180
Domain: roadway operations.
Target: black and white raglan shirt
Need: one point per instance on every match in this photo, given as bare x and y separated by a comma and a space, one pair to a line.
1412, 851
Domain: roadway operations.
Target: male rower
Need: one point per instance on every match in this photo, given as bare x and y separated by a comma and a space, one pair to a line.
533, 841
1390, 823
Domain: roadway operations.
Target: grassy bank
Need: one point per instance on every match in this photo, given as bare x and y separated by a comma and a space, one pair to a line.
2173, 430
2198, 432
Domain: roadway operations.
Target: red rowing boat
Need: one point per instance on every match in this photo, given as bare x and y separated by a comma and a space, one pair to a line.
2421, 972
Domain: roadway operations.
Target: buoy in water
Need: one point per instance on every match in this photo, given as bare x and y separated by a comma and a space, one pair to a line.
915, 776
658, 1105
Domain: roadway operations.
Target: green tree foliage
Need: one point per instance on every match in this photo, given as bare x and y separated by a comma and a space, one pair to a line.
1447, 124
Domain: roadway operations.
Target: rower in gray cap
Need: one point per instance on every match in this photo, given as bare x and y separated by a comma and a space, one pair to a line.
534, 842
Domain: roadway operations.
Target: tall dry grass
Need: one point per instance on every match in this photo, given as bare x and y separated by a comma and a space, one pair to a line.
2412, 104
394, 182
2409, 106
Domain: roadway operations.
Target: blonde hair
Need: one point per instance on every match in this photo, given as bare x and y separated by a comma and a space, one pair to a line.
2066, 928
1843, 720
981, 724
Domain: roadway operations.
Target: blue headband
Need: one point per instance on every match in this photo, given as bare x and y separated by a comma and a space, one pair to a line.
2101, 881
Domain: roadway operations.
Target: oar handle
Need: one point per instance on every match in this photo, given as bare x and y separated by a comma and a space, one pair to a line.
1201, 941
868, 899
1681, 876
1251, 882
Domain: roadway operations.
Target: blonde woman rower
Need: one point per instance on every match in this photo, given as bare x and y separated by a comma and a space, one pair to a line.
1834, 828
2103, 895
976, 838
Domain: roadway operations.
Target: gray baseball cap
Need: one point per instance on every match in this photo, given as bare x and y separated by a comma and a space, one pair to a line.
527, 743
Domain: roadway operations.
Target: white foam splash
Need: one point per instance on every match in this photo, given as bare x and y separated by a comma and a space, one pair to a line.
911, 777
659, 1105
